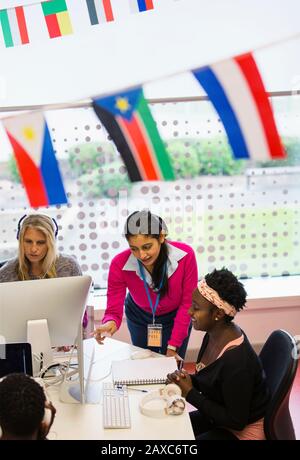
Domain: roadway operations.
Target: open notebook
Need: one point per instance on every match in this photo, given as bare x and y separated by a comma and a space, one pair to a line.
142, 371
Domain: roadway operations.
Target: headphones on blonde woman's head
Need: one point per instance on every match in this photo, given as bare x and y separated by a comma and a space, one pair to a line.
55, 226
174, 403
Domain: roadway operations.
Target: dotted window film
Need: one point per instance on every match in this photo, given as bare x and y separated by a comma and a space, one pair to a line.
238, 214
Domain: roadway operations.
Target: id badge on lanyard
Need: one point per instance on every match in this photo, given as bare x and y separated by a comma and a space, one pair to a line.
154, 331
154, 335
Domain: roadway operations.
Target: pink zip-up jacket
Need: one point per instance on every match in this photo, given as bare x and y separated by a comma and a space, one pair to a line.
182, 280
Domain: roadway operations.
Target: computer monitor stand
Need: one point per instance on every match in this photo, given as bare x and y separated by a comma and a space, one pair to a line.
39, 338
92, 389
84, 391
71, 393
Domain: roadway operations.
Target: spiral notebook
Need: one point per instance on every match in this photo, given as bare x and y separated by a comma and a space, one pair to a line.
142, 371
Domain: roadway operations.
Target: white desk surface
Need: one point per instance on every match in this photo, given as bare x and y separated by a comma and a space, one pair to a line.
84, 421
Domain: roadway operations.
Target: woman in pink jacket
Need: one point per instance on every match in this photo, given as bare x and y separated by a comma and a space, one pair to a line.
160, 276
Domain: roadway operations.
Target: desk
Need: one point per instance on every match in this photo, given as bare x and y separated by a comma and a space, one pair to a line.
84, 421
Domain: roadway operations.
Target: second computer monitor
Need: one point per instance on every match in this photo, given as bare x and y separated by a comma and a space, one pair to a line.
59, 301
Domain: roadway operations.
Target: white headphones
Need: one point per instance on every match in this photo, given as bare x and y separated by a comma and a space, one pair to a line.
174, 403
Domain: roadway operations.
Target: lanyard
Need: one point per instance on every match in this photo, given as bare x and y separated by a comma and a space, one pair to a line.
153, 308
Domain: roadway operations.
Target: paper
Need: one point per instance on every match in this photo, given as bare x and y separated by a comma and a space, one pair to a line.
143, 371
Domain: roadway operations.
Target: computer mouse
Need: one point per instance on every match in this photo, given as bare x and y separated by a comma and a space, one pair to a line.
142, 354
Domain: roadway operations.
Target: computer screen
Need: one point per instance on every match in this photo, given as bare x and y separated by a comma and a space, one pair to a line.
60, 301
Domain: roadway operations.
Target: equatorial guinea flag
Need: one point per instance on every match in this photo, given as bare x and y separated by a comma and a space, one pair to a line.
35, 158
128, 120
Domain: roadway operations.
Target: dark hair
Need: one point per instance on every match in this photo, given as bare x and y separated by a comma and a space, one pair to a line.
145, 223
22, 405
228, 287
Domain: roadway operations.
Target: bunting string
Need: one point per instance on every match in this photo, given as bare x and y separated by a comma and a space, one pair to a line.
23, 25
234, 86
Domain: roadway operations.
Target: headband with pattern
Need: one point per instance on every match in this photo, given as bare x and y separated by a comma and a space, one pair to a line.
212, 296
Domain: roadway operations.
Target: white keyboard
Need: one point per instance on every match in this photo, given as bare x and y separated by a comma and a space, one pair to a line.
116, 412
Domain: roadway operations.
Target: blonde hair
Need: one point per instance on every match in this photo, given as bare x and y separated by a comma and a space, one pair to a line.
45, 225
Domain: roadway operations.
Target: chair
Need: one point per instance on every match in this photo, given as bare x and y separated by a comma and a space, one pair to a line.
279, 360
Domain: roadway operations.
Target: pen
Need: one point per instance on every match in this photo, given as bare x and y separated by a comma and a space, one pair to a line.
119, 387
137, 389
180, 365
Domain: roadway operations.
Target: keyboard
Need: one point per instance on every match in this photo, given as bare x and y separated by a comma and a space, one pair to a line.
116, 412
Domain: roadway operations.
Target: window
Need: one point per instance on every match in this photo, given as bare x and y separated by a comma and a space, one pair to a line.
237, 214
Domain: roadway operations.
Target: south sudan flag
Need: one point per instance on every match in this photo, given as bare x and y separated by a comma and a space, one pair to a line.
128, 120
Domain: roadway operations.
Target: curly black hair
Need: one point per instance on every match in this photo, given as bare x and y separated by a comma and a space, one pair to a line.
22, 405
228, 287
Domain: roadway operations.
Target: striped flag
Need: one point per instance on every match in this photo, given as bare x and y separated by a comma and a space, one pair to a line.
127, 118
236, 89
57, 18
14, 27
100, 11
35, 158
137, 6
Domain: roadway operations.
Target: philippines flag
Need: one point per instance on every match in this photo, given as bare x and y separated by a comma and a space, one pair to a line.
137, 6
35, 158
236, 89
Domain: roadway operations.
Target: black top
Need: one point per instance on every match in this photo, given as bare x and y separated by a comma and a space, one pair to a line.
231, 392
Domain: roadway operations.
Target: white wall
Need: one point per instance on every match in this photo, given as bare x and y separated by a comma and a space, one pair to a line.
12, 3
141, 48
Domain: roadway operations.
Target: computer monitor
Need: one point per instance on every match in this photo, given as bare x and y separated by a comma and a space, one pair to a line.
61, 301
15, 357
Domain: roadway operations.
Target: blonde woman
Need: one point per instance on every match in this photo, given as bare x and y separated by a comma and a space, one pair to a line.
37, 254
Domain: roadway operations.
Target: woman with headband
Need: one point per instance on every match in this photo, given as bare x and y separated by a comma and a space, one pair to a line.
37, 253
229, 388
